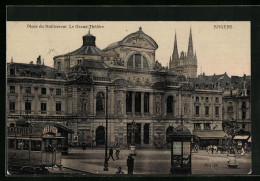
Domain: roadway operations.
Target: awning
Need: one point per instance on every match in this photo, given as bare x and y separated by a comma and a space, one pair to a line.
210, 134
239, 137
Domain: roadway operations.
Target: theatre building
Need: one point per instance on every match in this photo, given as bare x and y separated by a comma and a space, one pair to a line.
73, 93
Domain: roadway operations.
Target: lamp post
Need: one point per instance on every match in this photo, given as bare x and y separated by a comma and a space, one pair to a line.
132, 147
106, 160
92, 137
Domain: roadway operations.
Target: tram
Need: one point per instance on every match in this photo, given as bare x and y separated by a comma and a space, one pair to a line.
37, 147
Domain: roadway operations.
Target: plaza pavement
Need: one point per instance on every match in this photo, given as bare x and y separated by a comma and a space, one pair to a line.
152, 162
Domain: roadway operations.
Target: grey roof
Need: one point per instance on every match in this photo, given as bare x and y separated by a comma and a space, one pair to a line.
86, 50
34, 70
82, 68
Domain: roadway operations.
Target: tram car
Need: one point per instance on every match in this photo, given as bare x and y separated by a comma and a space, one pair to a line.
31, 147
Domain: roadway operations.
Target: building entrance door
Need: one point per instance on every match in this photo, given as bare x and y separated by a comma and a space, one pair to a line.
169, 131
100, 136
137, 133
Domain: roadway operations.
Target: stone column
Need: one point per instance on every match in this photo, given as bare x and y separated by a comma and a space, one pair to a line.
180, 104
133, 104
124, 103
142, 104
164, 107
201, 126
91, 101
75, 100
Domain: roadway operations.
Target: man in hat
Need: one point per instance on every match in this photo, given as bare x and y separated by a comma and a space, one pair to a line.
130, 164
111, 154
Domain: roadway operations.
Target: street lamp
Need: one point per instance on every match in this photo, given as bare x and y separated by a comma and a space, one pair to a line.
106, 160
132, 147
92, 137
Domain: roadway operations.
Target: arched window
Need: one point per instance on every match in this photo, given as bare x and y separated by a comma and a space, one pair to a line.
100, 104
137, 61
170, 104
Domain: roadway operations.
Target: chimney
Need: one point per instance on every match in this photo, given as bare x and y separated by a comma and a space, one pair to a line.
38, 62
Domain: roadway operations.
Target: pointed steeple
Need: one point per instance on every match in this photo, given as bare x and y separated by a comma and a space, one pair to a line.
190, 46
175, 54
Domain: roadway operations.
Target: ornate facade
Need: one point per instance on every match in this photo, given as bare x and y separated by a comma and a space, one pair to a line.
74, 93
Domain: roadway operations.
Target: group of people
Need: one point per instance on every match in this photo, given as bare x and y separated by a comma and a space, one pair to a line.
212, 148
111, 153
129, 161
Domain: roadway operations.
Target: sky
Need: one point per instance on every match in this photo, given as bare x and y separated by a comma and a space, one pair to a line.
218, 50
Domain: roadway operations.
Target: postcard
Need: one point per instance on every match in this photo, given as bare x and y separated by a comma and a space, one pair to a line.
128, 97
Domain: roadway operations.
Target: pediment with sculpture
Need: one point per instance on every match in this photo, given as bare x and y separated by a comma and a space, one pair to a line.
139, 39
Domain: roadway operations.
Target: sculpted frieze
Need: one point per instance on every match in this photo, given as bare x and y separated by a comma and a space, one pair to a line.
138, 41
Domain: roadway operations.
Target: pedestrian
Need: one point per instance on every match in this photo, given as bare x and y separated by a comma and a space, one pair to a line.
212, 149
117, 152
130, 164
111, 154
120, 171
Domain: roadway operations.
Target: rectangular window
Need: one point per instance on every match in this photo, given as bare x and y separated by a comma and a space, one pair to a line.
146, 102
207, 99
43, 91
12, 71
217, 100
243, 104
216, 110
43, 108
207, 126
146, 133
58, 92
197, 126
243, 115
19, 144
129, 102
206, 110
197, 110
28, 90
12, 89
58, 65
243, 125
138, 102
36, 145
58, 106
12, 106
28, 107
197, 99
11, 144
26, 145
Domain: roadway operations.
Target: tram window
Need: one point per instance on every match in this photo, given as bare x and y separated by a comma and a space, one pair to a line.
19, 144
11, 144
25, 144
36, 145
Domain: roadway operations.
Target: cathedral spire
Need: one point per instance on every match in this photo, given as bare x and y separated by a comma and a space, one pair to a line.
190, 47
175, 54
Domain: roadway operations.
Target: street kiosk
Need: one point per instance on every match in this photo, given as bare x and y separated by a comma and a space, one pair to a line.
36, 147
180, 151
